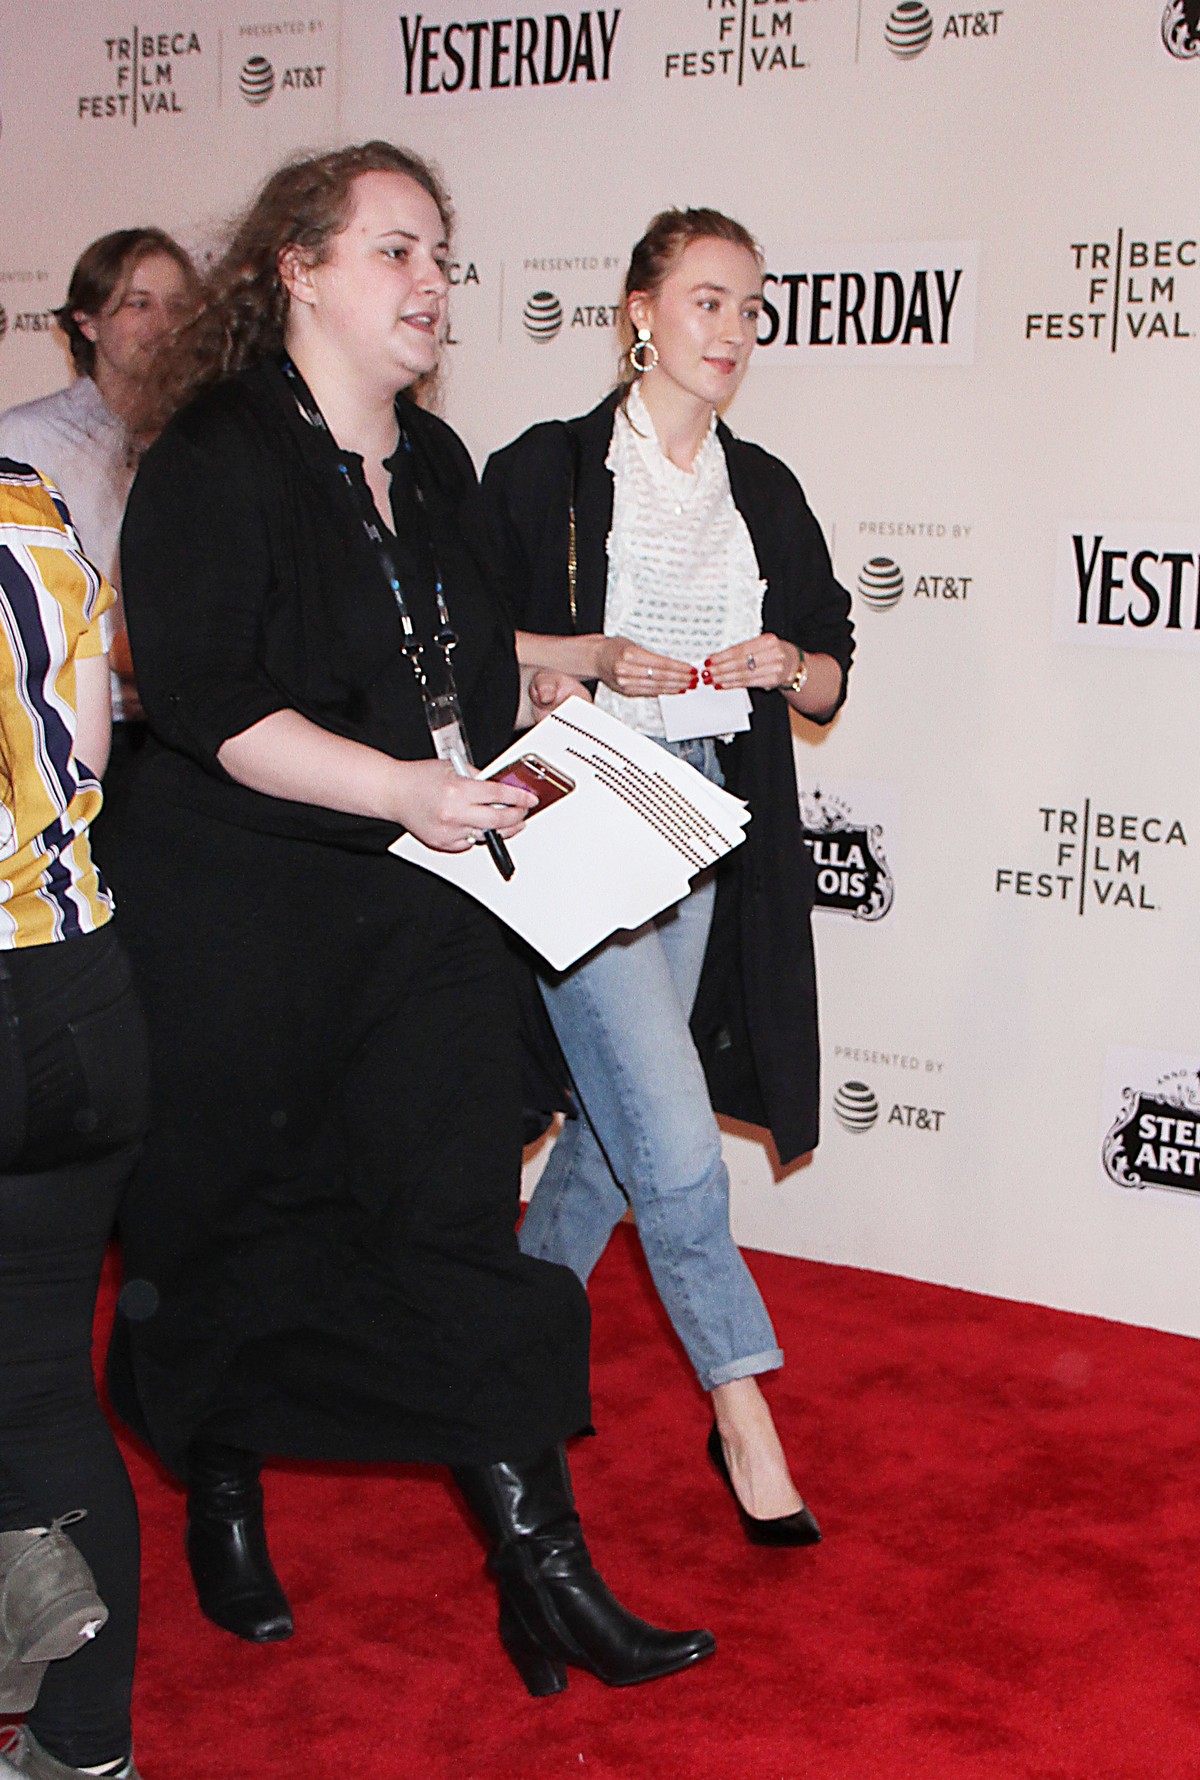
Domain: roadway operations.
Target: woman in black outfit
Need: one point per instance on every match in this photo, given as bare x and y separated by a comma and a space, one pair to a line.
320, 1246
73, 1088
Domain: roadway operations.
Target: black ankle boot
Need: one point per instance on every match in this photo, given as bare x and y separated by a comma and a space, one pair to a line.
554, 1607
226, 1545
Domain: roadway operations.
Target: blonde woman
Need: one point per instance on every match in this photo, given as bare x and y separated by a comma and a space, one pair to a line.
645, 548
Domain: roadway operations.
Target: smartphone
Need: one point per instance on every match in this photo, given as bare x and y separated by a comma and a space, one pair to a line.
532, 773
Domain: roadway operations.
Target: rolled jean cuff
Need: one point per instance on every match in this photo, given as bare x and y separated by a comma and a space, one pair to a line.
770, 1360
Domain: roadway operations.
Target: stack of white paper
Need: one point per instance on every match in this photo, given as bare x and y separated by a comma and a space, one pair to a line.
621, 847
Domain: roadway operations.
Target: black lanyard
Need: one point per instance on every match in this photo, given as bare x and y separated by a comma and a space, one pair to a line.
443, 713
445, 637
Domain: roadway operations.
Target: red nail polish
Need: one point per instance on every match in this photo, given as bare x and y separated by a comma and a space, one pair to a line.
708, 661
707, 677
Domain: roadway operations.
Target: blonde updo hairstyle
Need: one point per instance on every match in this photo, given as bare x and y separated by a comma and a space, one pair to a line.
657, 254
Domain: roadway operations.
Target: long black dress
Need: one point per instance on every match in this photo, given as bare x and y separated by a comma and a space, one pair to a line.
319, 1245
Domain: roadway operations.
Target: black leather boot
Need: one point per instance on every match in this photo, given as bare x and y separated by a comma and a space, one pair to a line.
554, 1607
226, 1545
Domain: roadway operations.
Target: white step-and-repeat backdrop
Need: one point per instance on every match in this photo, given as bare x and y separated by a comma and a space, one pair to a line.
980, 356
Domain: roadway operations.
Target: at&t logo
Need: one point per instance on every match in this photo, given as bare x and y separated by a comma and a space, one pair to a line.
910, 27
1181, 28
27, 321
257, 80
856, 1109
34, 321
543, 316
881, 584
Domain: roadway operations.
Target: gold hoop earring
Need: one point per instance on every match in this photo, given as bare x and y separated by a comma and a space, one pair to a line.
641, 346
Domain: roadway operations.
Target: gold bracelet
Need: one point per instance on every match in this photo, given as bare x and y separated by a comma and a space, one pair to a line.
798, 678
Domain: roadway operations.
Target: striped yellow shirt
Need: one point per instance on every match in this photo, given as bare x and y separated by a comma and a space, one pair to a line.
51, 599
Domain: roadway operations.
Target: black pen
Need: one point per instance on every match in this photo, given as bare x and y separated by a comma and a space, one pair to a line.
501, 856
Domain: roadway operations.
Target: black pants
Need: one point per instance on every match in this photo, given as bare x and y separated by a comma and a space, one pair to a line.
73, 1090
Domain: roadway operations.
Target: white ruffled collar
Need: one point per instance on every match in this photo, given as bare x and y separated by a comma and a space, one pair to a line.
635, 430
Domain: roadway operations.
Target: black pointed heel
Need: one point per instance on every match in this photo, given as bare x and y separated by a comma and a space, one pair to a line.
799, 1528
541, 1674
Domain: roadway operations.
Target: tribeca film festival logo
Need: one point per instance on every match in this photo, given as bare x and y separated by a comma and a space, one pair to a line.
904, 302
485, 55
1181, 29
743, 39
1128, 585
1154, 1140
146, 74
852, 872
1096, 859
1127, 291
910, 28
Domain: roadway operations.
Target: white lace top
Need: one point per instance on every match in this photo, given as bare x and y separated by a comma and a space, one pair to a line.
683, 578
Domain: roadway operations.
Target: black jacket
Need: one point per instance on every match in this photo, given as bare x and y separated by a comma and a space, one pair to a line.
250, 587
755, 1019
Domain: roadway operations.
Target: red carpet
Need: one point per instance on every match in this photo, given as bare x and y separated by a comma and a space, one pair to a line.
1006, 1587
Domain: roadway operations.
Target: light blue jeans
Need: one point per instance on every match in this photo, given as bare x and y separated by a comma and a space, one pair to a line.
646, 1136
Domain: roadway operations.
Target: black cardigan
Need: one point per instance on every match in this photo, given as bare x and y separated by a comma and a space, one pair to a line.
250, 587
755, 1019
